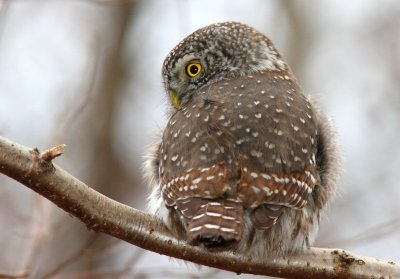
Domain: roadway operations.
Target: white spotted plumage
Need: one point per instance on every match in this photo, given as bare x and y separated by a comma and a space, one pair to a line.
242, 151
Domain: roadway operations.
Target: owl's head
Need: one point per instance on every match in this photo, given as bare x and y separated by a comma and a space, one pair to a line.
217, 51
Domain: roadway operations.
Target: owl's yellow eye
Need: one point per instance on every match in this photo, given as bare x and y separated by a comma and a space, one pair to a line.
193, 69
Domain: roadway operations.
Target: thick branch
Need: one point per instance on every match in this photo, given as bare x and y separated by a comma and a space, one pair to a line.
102, 214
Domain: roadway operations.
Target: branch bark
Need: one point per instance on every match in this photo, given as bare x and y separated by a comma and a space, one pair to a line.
36, 171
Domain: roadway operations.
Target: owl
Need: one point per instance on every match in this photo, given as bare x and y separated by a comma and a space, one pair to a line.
246, 161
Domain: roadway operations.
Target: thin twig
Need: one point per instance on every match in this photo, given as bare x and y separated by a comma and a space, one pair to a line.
69, 260
130, 264
52, 153
21, 274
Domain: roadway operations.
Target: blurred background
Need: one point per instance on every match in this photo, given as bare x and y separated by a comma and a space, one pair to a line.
87, 74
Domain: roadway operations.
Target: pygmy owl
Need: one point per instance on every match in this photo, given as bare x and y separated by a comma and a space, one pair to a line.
246, 161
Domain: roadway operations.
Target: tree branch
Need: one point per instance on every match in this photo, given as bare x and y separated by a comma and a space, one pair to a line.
36, 171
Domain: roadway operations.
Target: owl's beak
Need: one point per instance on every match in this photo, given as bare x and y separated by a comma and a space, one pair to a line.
175, 99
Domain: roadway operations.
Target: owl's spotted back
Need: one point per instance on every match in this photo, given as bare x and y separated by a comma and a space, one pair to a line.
239, 160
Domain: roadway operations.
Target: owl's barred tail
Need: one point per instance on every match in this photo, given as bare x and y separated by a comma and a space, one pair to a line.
216, 222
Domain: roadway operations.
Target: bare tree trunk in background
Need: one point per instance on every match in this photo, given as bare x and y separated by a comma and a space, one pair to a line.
107, 171
91, 127
299, 35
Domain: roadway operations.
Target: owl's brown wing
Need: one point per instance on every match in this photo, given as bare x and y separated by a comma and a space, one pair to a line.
196, 178
248, 141
268, 194
276, 145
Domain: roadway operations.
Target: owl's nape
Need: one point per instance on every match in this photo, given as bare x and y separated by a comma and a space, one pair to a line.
240, 161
